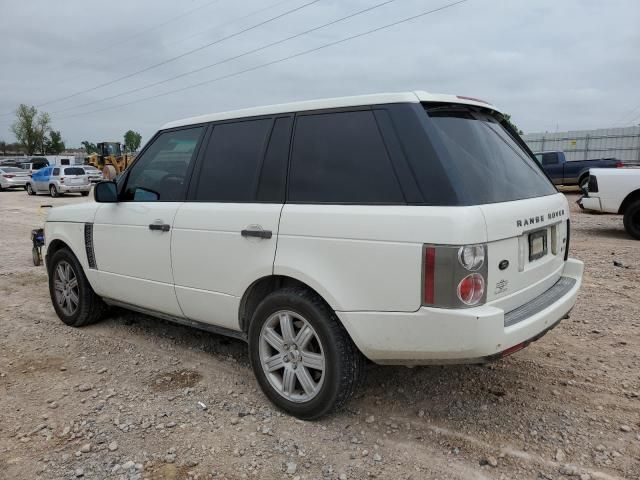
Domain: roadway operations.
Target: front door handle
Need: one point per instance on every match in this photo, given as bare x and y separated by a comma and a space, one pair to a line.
256, 232
159, 226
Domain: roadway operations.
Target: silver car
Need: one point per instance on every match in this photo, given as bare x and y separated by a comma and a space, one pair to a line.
95, 175
59, 180
13, 177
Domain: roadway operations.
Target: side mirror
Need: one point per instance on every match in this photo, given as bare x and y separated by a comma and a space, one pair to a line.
106, 192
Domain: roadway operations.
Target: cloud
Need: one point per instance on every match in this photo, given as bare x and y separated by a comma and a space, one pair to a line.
570, 64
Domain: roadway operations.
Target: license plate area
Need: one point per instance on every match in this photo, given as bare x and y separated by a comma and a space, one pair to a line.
537, 244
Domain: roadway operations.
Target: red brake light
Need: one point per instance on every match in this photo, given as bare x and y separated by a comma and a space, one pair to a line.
429, 275
619, 164
8, 175
471, 289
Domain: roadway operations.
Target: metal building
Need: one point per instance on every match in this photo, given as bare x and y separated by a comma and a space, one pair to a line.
620, 143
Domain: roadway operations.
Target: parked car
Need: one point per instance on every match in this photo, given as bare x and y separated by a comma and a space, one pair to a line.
34, 164
57, 181
12, 177
615, 191
575, 172
94, 174
410, 228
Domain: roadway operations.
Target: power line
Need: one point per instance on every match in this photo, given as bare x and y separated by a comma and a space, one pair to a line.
142, 32
273, 62
134, 58
169, 60
226, 60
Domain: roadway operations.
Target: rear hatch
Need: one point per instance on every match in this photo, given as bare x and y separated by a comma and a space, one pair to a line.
526, 218
75, 176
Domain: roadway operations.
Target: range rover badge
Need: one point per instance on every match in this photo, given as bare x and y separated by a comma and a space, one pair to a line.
503, 265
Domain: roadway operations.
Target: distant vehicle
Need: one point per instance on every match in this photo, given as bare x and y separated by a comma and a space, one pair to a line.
615, 191
34, 164
576, 172
61, 160
12, 177
95, 175
59, 180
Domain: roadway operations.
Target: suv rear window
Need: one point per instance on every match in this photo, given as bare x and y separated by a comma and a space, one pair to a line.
74, 171
485, 164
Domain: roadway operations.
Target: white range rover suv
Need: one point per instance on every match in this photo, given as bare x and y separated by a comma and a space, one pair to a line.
405, 228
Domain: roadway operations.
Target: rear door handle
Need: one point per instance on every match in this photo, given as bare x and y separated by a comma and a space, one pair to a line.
159, 226
256, 232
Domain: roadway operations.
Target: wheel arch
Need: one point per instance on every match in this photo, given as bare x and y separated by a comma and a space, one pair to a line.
628, 200
258, 290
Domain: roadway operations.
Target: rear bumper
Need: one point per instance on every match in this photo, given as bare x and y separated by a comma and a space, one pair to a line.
590, 203
473, 335
11, 183
74, 188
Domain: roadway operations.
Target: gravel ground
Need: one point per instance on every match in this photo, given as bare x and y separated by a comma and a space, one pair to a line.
135, 397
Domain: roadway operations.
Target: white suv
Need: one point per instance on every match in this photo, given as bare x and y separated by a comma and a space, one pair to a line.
404, 228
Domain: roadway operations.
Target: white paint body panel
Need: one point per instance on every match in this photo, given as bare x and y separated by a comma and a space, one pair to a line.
213, 265
134, 263
614, 185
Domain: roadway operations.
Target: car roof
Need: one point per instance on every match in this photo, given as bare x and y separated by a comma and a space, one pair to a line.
354, 101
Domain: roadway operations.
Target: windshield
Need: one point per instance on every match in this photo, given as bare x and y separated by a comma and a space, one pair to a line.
484, 162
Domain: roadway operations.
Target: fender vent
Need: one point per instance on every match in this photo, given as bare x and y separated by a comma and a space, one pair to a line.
88, 245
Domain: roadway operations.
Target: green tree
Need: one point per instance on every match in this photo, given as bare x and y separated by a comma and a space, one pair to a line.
54, 145
3, 147
132, 140
30, 128
507, 117
89, 147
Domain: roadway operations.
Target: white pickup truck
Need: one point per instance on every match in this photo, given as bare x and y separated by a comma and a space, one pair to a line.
615, 191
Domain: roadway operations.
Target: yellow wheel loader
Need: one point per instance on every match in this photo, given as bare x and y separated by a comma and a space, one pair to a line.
109, 159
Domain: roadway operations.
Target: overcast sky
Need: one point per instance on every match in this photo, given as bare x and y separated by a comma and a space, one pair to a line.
552, 64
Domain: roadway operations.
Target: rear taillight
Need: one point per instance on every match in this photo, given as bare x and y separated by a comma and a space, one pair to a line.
454, 276
8, 175
471, 289
61, 179
619, 164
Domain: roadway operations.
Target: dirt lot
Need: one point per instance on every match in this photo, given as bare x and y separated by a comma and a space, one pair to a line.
134, 397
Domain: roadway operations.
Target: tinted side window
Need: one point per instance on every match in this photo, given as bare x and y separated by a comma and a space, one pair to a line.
160, 173
232, 162
549, 159
341, 158
56, 171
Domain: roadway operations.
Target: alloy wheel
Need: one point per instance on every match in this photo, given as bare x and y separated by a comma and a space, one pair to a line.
67, 292
291, 356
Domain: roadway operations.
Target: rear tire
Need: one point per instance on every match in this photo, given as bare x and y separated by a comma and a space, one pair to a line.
632, 219
322, 364
53, 191
30, 190
73, 299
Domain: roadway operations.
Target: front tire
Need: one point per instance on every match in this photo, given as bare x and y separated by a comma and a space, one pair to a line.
632, 219
302, 357
73, 299
30, 190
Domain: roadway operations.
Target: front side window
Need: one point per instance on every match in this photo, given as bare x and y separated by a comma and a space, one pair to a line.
341, 158
160, 174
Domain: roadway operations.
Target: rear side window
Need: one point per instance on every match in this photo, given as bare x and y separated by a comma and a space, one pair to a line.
73, 171
549, 159
483, 161
341, 158
56, 171
232, 162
